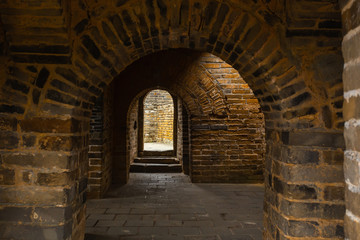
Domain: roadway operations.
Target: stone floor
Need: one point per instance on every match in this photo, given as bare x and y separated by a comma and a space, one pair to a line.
158, 146
168, 206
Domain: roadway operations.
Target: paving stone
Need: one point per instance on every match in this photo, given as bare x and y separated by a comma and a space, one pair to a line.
155, 217
154, 231
168, 223
95, 210
142, 211
101, 216
203, 237
139, 223
109, 223
117, 210
91, 222
128, 217
177, 209
183, 217
184, 230
198, 223
122, 231
96, 230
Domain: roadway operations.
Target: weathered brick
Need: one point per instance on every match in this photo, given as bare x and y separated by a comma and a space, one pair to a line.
321, 139
51, 215
7, 176
294, 191
5, 108
8, 140
91, 46
32, 232
41, 59
8, 123
56, 143
299, 156
55, 179
15, 214
50, 125
312, 210
334, 193
62, 98
45, 159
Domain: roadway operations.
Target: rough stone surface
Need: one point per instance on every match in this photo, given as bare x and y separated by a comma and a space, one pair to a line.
174, 208
351, 54
57, 57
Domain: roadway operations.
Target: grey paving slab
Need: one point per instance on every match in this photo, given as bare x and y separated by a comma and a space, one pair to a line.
168, 206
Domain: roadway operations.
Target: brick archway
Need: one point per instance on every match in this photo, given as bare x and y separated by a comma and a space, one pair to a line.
50, 88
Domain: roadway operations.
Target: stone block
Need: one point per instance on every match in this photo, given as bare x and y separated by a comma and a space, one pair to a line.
34, 195
320, 139
44, 159
352, 228
332, 193
353, 199
350, 19
52, 215
335, 157
15, 214
8, 140
350, 75
62, 98
312, 210
55, 179
56, 143
352, 136
35, 232
308, 173
17, 86
50, 125
42, 77
295, 155
41, 59
8, 123
7, 176
303, 229
29, 140
91, 46
295, 191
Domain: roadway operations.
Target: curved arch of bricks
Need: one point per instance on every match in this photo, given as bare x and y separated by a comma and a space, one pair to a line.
288, 54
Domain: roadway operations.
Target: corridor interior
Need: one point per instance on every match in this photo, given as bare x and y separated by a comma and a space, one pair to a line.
265, 93
204, 110
167, 206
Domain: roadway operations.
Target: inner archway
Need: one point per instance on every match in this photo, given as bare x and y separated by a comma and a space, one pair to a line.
58, 62
220, 125
158, 125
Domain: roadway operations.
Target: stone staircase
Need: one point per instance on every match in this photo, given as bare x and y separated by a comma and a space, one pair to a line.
156, 164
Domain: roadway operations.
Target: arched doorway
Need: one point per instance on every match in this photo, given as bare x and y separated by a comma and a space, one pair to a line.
53, 78
158, 122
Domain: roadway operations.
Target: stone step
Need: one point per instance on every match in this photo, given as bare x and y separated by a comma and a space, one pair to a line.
158, 159
155, 168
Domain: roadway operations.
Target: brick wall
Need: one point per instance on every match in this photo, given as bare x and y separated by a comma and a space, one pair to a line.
60, 55
228, 146
136, 114
133, 131
101, 145
350, 47
158, 117
224, 126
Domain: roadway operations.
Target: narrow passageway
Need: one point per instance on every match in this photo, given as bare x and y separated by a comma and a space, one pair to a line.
169, 206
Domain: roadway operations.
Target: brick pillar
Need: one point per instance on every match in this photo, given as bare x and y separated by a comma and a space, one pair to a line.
304, 184
351, 75
43, 177
101, 145
96, 149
